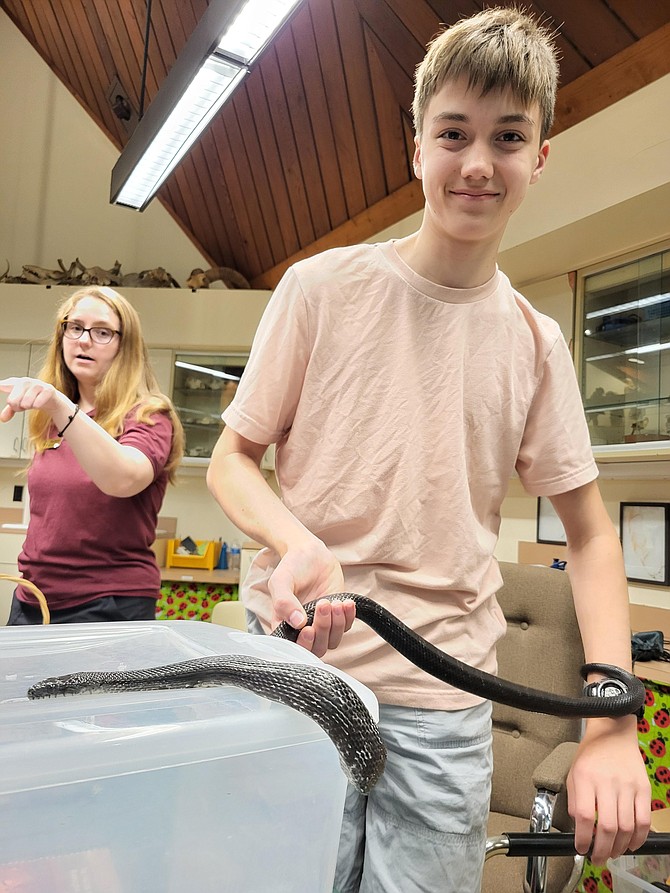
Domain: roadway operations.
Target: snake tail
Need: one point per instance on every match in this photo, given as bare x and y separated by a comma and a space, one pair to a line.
452, 671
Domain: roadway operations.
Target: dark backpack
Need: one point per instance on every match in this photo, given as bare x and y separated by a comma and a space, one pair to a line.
649, 646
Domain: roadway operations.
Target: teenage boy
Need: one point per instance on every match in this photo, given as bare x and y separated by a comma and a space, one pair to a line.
403, 384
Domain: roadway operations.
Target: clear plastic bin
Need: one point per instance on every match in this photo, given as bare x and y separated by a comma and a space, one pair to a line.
631, 874
209, 789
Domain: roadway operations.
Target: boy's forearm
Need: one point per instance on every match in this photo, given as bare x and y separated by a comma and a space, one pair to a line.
597, 575
600, 592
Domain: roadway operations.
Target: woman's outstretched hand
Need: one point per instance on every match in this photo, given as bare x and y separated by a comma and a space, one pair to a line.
29, 393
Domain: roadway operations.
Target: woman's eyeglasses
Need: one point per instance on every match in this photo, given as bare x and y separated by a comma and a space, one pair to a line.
99, 334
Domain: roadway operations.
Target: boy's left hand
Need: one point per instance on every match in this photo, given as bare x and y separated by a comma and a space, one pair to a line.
608, 778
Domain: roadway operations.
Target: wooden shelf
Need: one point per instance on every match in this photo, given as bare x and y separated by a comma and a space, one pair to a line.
198, 575
540, 553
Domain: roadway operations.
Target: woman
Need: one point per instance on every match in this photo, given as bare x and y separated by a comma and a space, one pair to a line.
106, 444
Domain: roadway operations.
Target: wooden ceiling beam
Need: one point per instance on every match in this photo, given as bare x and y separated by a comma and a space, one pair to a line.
630, 70
633, 68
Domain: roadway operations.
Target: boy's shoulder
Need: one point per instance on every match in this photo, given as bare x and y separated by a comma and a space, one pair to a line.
547, 325
349, 260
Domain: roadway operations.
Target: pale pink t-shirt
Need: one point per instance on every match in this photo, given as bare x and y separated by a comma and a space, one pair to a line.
401, 410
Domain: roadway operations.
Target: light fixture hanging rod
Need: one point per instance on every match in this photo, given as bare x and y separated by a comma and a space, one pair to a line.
145, 60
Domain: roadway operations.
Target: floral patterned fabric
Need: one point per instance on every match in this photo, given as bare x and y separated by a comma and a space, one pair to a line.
654, 739
192, 601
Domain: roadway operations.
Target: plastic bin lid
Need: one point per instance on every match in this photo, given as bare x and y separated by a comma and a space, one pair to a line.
632, 874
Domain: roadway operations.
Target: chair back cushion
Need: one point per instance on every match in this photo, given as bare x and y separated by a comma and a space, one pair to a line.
541, 649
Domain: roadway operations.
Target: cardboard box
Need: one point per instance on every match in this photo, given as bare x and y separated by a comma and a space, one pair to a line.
159, 548
660, 821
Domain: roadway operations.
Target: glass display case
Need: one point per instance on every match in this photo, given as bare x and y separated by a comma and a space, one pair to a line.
204, 385
623, 351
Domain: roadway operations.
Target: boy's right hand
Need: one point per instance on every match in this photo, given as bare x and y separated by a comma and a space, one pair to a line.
303, 575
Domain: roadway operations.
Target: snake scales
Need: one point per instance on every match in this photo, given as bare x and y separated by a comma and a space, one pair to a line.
328, 700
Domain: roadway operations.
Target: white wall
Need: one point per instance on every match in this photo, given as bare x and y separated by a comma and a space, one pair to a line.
199, 515
554, 297
618, 153
519, 520
55, 171
176, 318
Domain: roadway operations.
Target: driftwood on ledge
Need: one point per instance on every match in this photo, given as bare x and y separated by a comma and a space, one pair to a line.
80, 275
230, 278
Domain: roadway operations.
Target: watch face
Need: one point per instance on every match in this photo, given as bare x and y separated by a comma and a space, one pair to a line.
611, 689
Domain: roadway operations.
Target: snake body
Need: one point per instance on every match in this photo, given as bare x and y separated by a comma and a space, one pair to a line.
318, 693
327, 699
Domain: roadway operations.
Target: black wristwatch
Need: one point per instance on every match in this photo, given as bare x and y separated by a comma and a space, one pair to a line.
609, 688
605, 688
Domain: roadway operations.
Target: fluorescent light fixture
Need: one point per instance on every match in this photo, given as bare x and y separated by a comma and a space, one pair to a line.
630, 305
649, 348
254, 27
215, 372
605, 356
646, 348
228, 38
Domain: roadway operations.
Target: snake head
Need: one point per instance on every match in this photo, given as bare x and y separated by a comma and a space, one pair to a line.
53, 686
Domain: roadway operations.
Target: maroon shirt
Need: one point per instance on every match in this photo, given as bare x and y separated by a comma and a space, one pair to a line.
82, 544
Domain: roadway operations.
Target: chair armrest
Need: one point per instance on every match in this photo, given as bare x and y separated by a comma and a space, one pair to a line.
552, 772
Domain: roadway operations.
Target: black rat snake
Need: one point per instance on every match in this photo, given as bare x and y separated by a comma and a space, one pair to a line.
328, 700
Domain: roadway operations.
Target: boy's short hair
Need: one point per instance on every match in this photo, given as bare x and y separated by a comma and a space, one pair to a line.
495, 49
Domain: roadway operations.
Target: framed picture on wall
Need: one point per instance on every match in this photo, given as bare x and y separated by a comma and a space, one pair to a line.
644, 529
549, 526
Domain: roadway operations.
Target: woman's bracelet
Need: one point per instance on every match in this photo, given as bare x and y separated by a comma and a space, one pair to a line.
70, 419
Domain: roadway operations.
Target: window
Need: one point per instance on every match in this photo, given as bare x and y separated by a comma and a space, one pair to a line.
204, 385
623, 349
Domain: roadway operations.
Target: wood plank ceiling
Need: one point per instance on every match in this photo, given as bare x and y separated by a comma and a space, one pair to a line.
315, 148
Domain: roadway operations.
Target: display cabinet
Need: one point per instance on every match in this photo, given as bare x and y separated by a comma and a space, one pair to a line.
622, 351
203, 386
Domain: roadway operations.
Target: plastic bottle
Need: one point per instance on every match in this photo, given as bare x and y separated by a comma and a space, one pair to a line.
234, 557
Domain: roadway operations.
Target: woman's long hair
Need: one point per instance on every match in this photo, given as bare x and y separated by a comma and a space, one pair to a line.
128, 384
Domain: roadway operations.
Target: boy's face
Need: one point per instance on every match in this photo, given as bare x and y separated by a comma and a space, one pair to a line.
476, 158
